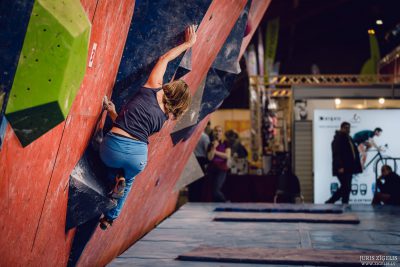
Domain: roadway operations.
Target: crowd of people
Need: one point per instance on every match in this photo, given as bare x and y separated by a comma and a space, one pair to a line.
217, 149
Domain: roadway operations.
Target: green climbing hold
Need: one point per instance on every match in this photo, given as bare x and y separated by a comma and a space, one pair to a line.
51, 68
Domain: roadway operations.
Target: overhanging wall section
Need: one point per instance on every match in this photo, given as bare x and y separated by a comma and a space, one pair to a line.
153, 196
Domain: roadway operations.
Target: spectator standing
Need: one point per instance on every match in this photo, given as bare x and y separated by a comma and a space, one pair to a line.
218, 154
345, 162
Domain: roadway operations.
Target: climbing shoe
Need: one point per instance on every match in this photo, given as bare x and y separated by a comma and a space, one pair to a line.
105, 223
119, 188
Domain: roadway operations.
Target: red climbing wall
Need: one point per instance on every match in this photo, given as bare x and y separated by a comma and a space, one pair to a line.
152, 198
34, 179
256, 13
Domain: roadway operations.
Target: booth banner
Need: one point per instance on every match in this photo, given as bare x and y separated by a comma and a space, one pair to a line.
271, 43
326, 122
254, 105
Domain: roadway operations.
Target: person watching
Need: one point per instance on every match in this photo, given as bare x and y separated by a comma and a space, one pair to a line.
388, 187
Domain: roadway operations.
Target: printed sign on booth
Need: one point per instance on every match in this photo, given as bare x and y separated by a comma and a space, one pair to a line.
326, 122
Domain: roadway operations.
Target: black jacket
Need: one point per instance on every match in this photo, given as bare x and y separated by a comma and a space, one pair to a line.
343, 156
391, 186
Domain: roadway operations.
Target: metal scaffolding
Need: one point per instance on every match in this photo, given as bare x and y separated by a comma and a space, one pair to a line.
264, 88
328, 80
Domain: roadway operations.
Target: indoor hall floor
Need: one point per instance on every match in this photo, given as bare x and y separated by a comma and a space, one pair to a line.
193, 225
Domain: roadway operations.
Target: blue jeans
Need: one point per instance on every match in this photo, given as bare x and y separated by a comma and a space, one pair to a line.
122, 153
218, 178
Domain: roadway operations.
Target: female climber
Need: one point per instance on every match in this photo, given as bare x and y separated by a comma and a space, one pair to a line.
125, 146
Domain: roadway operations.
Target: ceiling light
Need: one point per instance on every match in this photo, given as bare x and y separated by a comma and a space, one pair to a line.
338, 101
381, 100
379, 22
359, 106
371, 32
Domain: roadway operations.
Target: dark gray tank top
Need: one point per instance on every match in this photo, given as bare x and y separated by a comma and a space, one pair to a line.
142, 115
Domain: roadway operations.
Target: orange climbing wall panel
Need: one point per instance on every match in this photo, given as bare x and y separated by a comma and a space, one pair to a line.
256, 13
34, 179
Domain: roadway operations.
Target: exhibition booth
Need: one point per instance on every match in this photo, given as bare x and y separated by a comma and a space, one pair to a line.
318, 113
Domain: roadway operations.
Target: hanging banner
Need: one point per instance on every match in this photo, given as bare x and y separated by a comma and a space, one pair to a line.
251, 61
255, 109
271, 43
325, 123
370, 67
260, 52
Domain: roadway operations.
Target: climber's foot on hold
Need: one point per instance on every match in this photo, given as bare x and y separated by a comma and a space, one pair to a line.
119, 188
105, 223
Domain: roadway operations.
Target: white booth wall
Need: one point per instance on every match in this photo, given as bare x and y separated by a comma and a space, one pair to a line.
311, 180
326, 122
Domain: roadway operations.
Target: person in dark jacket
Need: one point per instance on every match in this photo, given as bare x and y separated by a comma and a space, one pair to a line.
288, 189
388, 186
345, 162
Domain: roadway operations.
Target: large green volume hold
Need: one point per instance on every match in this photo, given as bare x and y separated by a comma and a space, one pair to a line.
51, 68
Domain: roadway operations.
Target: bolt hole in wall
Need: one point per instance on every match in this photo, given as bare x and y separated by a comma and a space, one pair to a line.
362, 114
